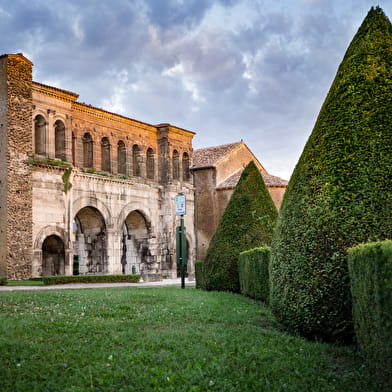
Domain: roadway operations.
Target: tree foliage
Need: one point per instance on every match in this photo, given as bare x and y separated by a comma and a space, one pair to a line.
340, 192
247, 222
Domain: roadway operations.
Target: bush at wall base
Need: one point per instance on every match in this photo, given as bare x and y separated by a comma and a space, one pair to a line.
253, 267
199, 274
51, 280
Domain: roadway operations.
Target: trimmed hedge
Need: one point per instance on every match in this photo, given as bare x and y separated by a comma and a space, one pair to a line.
247, 222
370, 269
62, 279
199, 274
340, 192
3, 280
253, 267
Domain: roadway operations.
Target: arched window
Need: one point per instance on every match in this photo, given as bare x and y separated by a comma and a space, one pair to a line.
150, 163
121, 158
105, 154
136, 160
87, 150
39, 135
176, 165
59, 140
185, 167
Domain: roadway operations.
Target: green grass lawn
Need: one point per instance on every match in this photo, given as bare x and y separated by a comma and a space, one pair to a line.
161, 339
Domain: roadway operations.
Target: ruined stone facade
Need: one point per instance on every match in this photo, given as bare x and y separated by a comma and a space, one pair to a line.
83, 190
216, 171
86, 191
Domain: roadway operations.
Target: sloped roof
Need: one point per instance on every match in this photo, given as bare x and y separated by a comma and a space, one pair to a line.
269, 180
211, 155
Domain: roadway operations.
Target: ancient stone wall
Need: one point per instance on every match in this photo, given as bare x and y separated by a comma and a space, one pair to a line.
113, 211
206, 217
16, 194
3, 163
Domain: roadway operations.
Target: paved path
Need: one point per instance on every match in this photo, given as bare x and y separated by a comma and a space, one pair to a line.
165, 282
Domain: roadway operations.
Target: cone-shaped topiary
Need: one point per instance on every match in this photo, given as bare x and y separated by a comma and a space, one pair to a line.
247, 222
340, 192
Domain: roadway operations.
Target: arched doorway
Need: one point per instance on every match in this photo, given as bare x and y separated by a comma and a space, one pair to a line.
53, 256
136, 255
91, 244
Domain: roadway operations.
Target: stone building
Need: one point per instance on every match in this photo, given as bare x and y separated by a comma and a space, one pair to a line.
86, 191
216, 171
83, 190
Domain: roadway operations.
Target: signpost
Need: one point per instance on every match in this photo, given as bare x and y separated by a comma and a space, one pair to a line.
180, 204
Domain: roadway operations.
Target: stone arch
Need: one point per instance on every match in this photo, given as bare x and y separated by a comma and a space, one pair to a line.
53, 256
150, 163
176, 165
59, 140
90, 231
121, 158
39, 255
135, 206
137, 255
40, 124
105, 154
88, 201
88, 151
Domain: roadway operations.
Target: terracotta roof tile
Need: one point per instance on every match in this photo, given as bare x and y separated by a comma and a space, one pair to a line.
269, 180
209, 156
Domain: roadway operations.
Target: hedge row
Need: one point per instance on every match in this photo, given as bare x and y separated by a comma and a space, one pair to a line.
51, 280
3, 280
370, 269
199, 274
253, 273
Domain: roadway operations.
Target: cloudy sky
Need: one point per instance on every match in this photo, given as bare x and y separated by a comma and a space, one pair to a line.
257, 70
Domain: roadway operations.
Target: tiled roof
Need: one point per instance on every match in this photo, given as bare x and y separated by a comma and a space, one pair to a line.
269, 180
209, 156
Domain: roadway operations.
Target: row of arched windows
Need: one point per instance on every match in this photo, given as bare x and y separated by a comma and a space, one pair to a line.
137, 158
87, 151
176, 166
40, 137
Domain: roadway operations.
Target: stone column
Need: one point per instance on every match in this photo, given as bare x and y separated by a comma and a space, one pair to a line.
16, 145
113, 252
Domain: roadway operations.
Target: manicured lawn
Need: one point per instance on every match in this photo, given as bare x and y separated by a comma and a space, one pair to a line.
160, 339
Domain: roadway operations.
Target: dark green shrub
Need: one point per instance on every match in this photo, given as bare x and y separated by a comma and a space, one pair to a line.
340, 192
3, 280
50, 280
247, 222
370, 270
253, 268
199, 274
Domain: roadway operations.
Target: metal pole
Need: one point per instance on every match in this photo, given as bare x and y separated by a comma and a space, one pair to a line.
183, 253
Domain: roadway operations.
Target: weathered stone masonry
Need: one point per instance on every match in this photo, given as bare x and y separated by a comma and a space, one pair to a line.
84, 190
15, 174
